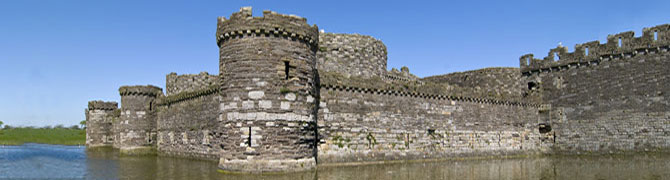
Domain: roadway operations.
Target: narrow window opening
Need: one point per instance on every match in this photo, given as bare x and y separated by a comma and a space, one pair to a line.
556, 56
286, 70
620, 42
431, 131
249, 138
586, 51
531, 85
528, 61
655, 35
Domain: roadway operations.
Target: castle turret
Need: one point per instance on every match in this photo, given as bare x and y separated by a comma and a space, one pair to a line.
268, 65
99, 118
136, 129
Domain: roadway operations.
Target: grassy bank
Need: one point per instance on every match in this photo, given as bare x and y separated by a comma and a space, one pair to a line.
65, 136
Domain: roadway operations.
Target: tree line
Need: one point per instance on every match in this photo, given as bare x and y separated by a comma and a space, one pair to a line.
82, 125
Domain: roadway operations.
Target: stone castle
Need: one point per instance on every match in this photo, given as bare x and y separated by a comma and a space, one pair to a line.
288, 97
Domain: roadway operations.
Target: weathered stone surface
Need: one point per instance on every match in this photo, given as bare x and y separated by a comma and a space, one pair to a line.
284, 60
360, 126
619, 103
351, 54
99, 118
188, 128
136, 128
174, 84
287, 97
503, 83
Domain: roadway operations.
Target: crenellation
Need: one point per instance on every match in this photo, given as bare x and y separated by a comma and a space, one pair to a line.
242, 24
621, 45
102, 105
289, 98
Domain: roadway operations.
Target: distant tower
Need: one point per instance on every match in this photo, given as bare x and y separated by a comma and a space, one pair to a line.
99, 118
136, 129
268, 65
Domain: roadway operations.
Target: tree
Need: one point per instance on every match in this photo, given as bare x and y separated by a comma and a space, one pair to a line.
1, 123
83, 124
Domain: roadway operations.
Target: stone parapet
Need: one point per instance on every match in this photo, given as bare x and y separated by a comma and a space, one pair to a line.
618, 46
271, 24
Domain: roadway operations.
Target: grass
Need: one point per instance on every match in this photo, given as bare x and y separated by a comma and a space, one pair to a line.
64, 136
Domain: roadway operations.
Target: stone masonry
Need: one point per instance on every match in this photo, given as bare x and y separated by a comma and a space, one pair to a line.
99, 118
288, 98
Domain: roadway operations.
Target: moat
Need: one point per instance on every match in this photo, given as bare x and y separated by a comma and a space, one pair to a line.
55, 161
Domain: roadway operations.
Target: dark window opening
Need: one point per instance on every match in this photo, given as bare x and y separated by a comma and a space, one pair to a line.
286, 69
249, 138
544, 128
532, 85
431, 131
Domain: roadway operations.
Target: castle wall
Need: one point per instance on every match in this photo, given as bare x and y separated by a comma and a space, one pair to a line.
351, 55
187, 124
188, 82
287, 97
608, 102
99, 118
502, 83
361, 124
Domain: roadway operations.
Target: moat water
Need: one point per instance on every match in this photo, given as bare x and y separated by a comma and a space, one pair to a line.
75, 162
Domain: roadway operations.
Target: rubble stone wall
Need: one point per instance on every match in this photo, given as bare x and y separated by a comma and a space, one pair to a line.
357, 124
187, 124
268, 65
502, 83
99, 118
351, 55
136, 129
188, 82
608, 101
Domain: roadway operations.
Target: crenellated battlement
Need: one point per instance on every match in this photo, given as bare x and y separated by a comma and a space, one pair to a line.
102, 105
186, 95
618, 46
141, 90
242, 24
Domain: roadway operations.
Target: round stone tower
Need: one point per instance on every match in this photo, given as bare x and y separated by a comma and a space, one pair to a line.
136, 128
268, 68
99, 118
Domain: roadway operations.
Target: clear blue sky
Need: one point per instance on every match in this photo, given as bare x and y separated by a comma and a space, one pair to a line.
56, 55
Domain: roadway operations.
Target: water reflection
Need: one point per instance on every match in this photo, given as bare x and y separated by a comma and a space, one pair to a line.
42, 161
49, 161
